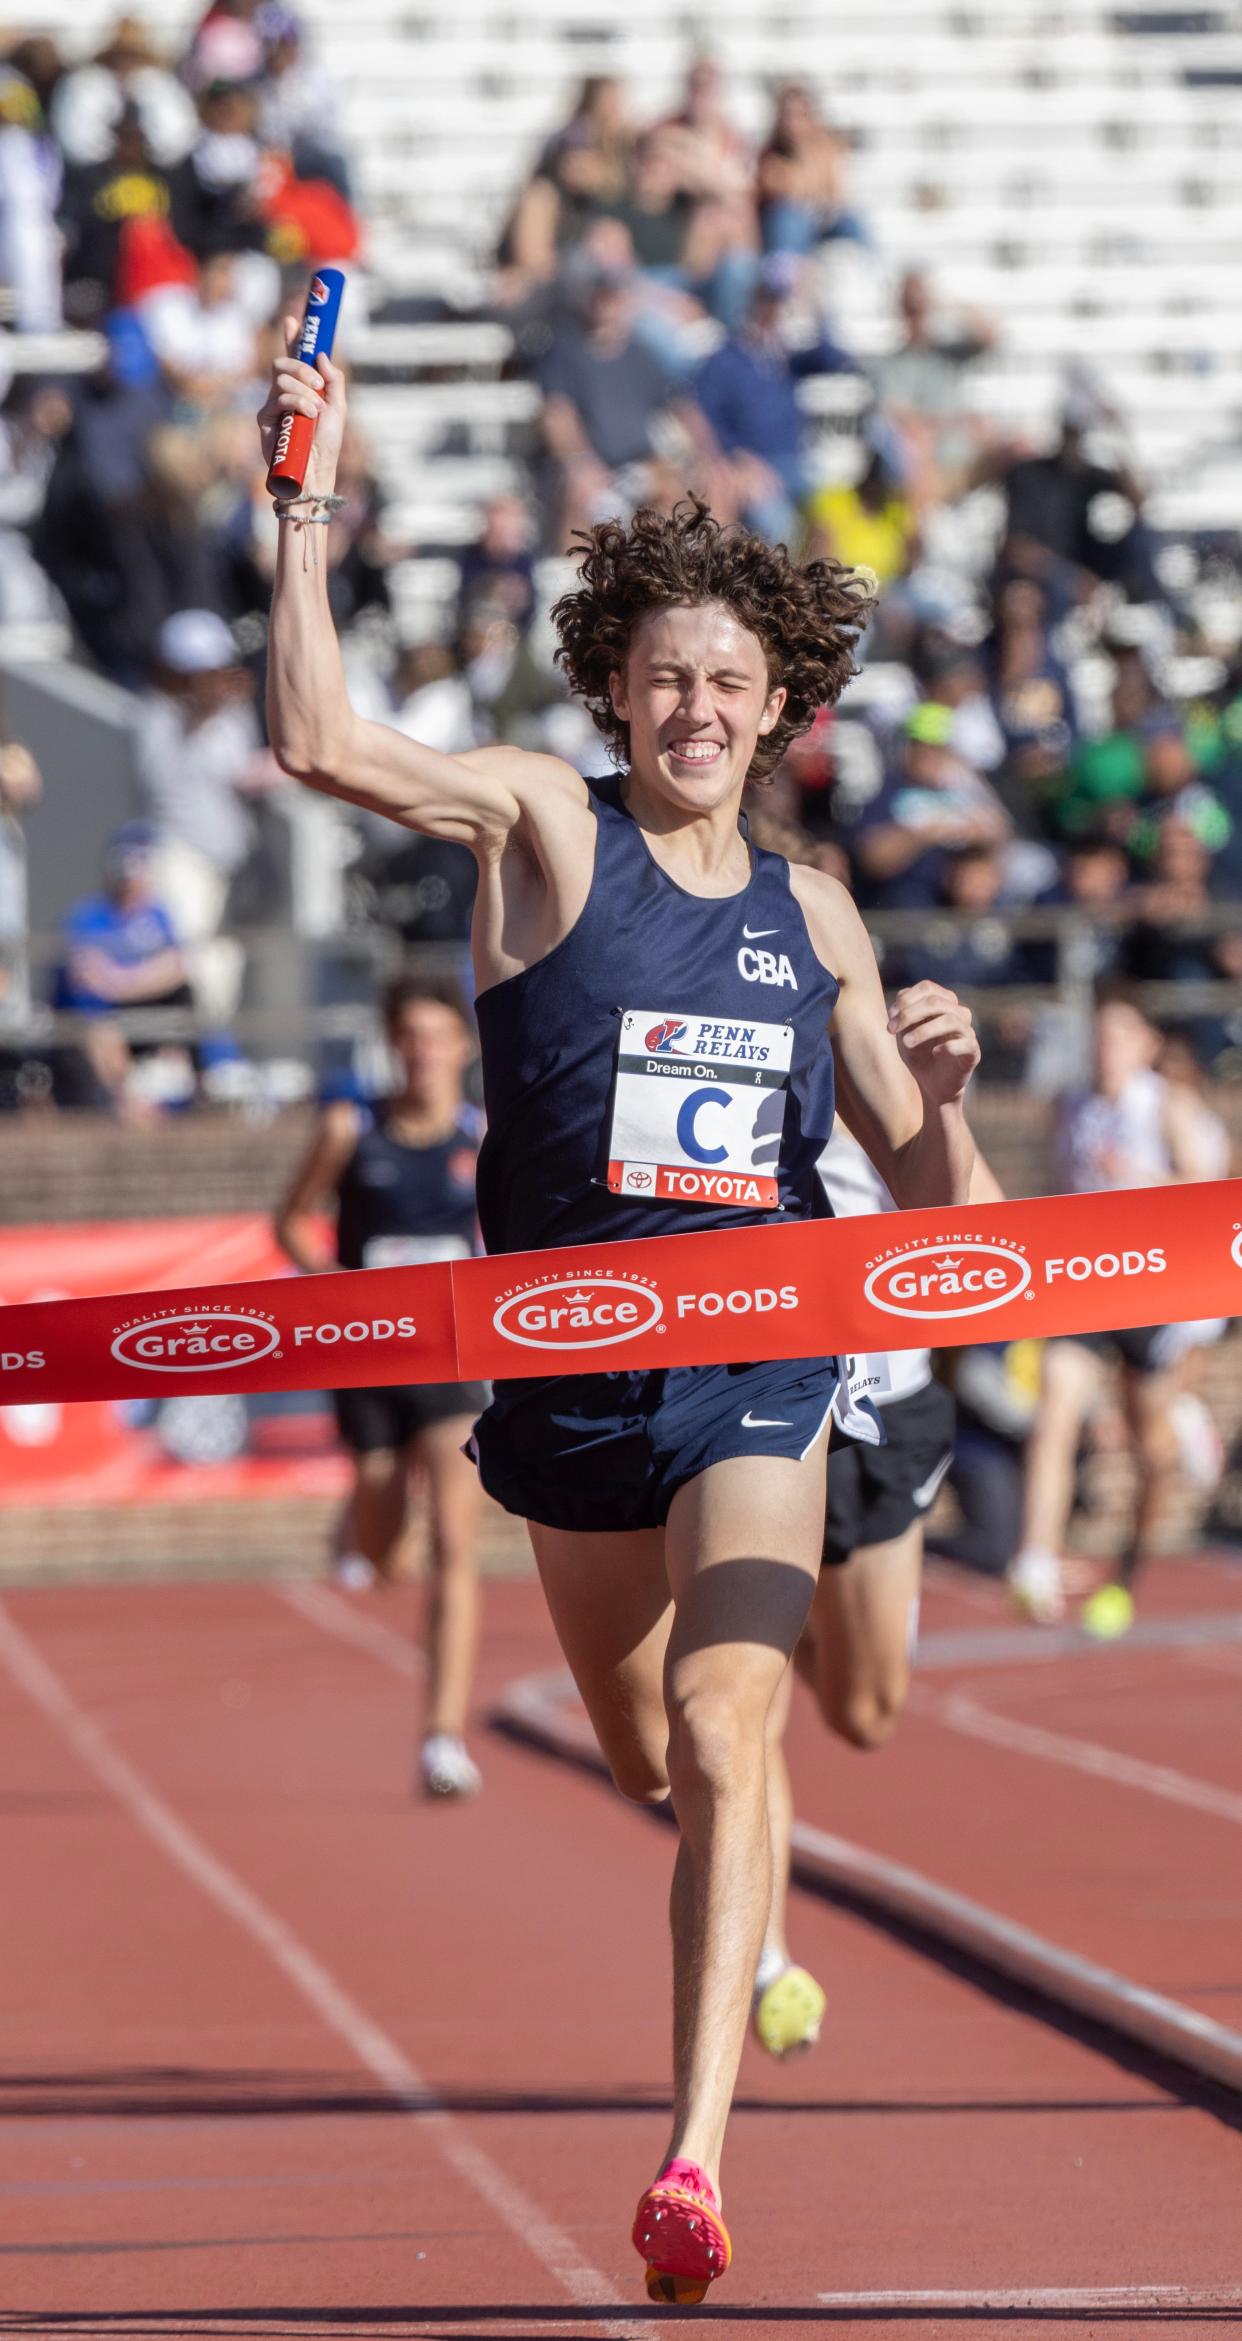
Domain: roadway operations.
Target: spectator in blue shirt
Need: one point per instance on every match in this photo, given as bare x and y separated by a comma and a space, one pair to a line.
120, 952
929, 803
747, 390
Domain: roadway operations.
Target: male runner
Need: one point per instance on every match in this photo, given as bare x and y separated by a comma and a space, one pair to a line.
1131, 1128
401, 1177
863, 1625
677, 1517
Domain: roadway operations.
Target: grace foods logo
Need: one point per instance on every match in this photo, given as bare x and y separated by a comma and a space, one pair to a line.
198, 1341
593, 1311
961, 1279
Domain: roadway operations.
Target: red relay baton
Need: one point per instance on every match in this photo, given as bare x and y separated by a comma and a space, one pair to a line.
296, 435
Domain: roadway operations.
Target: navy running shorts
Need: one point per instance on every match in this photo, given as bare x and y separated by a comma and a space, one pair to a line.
609, 1451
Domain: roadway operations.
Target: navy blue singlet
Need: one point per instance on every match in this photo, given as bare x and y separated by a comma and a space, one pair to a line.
391, 1194
551, 1041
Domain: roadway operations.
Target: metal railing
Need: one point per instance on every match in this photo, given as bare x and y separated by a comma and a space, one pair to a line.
363, 959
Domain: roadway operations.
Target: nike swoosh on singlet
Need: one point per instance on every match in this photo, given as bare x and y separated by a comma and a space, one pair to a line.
764, 1422
759, 933
921, 1497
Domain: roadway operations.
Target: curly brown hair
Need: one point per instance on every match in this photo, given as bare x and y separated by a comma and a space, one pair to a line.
806, 617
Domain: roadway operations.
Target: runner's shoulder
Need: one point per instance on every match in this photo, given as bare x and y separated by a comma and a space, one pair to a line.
834, 922
342, 1121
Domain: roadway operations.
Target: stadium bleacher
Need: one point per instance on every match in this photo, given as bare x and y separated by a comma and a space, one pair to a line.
1072, 169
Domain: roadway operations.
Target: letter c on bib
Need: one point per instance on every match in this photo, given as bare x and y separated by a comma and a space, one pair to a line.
686, 1132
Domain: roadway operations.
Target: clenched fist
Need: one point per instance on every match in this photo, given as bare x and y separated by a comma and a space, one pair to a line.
936, 1037
317, 391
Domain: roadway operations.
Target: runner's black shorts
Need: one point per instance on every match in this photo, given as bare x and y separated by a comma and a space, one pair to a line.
874, 1493
372, 1419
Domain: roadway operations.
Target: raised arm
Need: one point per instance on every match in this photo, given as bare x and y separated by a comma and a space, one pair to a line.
478, 799
901, 1073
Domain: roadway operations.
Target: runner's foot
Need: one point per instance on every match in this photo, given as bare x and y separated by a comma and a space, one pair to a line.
447, 1768
1200, 1448
680, 2234
787, 2010
353, 1572
1036, 1586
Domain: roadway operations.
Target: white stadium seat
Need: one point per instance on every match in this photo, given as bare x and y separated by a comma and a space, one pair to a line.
1078, 181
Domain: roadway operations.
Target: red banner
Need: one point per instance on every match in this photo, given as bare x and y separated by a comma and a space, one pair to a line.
138, 1450
1061, 1264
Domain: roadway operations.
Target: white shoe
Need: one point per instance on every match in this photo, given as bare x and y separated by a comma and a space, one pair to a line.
353, 1572
1037, 1587
1200, 1447
447, 1769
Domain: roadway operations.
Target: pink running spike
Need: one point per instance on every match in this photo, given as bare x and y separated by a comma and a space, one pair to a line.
693, 2246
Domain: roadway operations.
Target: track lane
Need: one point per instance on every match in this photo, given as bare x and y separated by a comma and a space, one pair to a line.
516, 1953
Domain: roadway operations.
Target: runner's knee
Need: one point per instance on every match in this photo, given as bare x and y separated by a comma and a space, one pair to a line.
867, 1717
716, 1737
640, 1781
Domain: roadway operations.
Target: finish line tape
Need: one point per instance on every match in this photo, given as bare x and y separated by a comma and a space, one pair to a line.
992, 1272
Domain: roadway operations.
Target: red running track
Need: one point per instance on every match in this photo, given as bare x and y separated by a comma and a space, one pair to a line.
286, 2054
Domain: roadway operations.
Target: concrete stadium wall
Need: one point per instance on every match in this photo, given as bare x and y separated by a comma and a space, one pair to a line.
77, 726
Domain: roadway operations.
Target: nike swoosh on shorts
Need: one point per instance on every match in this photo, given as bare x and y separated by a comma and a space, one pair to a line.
764, 1422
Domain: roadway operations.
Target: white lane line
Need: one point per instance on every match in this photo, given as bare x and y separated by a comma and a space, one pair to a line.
336, 1615
543, 1707
585, 2285
959, 1713
1092, 2296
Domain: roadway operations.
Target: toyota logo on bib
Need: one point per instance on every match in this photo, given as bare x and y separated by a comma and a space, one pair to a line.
578, 1312
196, 1341
954, 1280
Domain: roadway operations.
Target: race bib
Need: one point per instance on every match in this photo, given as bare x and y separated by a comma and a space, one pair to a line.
699, 1109
412, 1251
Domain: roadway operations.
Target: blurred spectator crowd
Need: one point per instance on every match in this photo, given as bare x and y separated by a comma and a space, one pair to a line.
1048, 720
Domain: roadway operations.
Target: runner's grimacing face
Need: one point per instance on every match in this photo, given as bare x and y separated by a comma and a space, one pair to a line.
697, 696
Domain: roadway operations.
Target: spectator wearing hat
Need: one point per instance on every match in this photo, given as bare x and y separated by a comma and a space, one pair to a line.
128, 74
124, 217
198, 758
930, 802
121, 951
747, 392
1056, 508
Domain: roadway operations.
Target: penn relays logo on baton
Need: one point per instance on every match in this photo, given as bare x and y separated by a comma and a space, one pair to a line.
296, 435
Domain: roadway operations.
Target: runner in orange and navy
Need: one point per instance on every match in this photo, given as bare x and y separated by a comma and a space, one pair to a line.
677, 1515
401, 1178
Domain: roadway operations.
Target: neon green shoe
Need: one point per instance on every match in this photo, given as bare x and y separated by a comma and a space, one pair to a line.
788, 2012
1108, 1614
